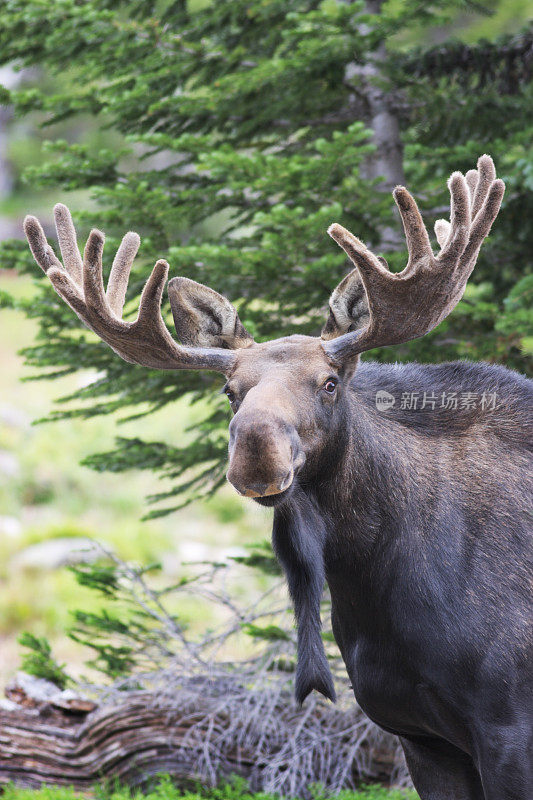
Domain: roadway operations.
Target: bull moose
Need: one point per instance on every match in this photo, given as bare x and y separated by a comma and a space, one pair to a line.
418, 519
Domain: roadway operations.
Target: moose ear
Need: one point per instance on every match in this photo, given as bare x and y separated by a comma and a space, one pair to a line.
348, 307
204, 318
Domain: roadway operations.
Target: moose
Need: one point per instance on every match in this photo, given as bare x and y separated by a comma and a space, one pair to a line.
418, 519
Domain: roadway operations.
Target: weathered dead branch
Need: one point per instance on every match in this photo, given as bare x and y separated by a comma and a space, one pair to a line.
191, 710
191, 737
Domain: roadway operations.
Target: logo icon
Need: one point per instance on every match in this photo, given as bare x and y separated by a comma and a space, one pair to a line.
384, 400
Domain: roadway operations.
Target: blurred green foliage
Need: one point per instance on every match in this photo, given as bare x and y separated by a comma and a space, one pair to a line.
238, 140
47, 494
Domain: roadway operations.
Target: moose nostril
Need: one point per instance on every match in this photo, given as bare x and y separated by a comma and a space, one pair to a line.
262, 489
257, 489
241, 486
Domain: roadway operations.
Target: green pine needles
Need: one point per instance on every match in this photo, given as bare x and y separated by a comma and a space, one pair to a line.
39, 661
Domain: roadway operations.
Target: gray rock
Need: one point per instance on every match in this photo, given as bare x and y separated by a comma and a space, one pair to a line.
55, 553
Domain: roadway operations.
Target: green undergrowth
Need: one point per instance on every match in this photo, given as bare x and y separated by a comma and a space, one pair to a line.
166, 790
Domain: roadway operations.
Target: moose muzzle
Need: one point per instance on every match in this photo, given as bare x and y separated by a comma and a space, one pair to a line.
264, 453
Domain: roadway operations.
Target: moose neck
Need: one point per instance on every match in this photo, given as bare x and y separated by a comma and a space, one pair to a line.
377, 503
366, 479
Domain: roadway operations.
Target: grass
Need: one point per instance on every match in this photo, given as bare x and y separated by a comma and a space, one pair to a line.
45, 494
165, 790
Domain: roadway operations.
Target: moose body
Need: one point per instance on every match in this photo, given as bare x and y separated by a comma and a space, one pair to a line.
418, 520
428, 558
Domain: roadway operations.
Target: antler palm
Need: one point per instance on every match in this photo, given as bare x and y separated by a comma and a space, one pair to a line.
146, 340
407, 304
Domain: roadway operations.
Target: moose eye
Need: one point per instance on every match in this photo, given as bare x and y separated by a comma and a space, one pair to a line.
230, 395
330, 385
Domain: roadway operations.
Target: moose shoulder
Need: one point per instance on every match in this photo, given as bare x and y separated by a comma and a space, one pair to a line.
407, 488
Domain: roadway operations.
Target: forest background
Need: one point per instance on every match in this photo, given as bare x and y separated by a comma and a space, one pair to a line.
229, 135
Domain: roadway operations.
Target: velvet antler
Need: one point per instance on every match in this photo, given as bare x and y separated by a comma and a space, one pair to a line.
145, 340
408, 304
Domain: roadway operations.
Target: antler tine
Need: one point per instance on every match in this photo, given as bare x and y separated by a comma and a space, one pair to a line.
418, 244
93, 282
442, 231
41, 250
486, 175
371, 270
457, 238
472, 178
410, 303
146, 340
150, 305
367, 263
483, 221
66, 234
120, 271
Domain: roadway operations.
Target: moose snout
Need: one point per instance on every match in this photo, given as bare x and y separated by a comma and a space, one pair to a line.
263, 457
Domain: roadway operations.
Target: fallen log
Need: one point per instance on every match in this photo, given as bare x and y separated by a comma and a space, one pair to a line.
72, 741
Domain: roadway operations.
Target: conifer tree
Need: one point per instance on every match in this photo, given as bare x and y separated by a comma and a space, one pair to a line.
248, 126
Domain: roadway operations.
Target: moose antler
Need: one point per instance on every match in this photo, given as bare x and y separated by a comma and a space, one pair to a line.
145, 340
408, 304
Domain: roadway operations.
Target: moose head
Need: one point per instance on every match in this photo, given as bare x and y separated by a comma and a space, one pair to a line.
288, 395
